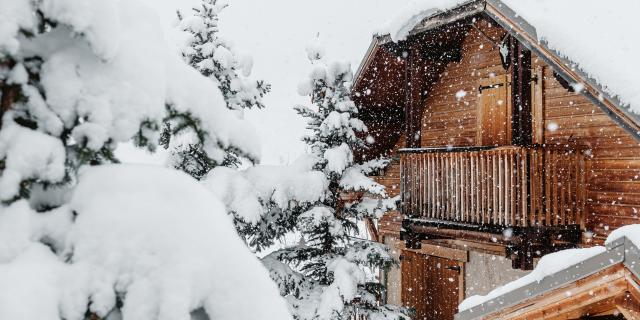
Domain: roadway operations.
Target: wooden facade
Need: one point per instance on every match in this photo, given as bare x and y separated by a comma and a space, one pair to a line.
494, 152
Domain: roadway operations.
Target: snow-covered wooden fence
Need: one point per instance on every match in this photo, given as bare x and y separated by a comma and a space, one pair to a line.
505, 186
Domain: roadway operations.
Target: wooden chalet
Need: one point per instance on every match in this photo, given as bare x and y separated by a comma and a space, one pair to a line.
503, 151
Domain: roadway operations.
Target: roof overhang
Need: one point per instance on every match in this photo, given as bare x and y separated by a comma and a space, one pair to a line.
526, 34
620, 262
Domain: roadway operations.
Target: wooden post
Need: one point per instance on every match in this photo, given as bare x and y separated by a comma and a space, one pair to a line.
408, 124
520, 93
415, 70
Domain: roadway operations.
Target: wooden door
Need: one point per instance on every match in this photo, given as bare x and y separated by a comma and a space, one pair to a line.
430, 285
537, 105
494, 111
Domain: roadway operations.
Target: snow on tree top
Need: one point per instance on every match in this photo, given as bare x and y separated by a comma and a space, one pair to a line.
596, 36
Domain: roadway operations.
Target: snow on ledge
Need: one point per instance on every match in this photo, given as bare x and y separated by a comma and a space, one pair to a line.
547, 266
553, 263
632, 232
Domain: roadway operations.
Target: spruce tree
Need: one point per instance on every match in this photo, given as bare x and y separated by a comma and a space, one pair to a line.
74, 83
328, 274
216, 59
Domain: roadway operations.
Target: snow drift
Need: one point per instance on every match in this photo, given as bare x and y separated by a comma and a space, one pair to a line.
150, 239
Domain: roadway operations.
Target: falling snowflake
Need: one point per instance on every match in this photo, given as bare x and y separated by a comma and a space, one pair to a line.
370, 139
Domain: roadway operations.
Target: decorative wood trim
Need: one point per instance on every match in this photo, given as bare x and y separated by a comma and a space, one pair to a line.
437, 250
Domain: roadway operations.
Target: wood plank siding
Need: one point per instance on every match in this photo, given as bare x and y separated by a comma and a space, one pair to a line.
612, 166
391, 222
451, 117
613, 156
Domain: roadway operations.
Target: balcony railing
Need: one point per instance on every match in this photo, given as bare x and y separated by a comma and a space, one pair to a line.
501, 186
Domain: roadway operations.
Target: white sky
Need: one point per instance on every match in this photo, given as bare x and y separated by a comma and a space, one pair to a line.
275, 34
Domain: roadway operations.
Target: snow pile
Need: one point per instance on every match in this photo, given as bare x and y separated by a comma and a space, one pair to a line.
150, 238
28, 154
247, 193
31, 284
411, 14
632, 232
547, 265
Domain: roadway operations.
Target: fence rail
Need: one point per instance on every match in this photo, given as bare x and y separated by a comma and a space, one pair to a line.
504, 186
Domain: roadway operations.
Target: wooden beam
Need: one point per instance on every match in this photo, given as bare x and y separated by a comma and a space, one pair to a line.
437, 250
628, 314
520, 58
408, 88
628, 305
490, 248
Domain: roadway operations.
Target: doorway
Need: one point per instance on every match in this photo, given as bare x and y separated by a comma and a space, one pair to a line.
494, 111
431, 285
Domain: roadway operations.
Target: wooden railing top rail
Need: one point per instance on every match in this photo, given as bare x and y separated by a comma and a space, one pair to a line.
485, 148
445, 149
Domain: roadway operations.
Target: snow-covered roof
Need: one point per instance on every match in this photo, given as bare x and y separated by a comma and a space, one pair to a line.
590, 43
557, 270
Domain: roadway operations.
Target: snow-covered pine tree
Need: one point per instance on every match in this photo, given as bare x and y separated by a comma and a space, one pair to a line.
216, 59
328, 274
75, 82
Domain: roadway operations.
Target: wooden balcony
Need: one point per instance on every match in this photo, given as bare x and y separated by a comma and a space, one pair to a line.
492, 189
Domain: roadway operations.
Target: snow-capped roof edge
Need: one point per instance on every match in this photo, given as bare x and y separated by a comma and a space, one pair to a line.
527, 35
368, 57
621, 250
563, 66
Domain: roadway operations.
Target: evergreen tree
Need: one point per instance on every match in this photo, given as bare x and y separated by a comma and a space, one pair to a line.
325, 275
216, 59
75, 81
